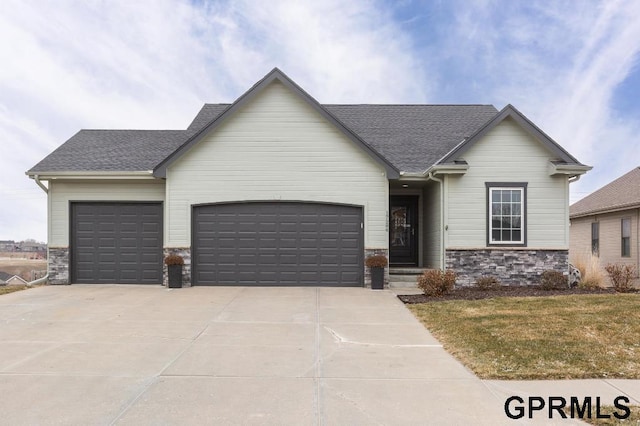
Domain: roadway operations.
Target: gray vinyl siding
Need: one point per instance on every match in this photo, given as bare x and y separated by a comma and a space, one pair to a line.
508, 154
61, 193
276, 148
431, 230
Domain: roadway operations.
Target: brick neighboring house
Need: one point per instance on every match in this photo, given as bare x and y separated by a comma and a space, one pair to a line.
278, 189
605, 223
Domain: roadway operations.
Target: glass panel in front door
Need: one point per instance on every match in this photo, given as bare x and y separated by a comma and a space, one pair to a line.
400, 228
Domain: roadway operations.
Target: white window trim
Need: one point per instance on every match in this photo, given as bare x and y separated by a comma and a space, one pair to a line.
491, 187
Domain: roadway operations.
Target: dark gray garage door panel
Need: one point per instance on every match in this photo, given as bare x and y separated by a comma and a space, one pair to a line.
117, 243
278, 243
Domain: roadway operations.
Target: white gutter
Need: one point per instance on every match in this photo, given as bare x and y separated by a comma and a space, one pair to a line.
430, 176
144, 174
40, 184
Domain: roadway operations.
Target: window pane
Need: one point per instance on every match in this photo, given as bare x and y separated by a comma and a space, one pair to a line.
506, 196
506, 209
506, 222
626, 247
495, 235
517, 235
515, 222
495, 209
496, 196
516, 209
626, 228
495, 222
516, 196
506, 236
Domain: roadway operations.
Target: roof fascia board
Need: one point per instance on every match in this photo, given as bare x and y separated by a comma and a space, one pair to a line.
568, 169
275, 74
510, 111
92, 175
615, 209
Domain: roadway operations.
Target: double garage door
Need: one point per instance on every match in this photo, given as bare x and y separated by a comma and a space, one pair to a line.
277, 243
260, 243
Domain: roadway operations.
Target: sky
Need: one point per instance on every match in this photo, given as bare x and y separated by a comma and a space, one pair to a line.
572, 67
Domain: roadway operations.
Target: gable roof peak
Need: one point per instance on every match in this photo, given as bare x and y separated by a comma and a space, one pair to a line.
276, 74
509, 111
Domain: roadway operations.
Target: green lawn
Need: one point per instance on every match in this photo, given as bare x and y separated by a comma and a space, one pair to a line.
561, 337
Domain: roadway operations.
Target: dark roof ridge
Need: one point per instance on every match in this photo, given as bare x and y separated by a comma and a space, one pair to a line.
408, 104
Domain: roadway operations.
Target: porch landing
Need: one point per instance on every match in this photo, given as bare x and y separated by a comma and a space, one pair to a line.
401, 277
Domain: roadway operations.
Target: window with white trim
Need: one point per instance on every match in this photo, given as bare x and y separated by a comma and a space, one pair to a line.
507, 207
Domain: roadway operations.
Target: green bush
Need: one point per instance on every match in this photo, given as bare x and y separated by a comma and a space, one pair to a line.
621, 276
553, 280
437, 283
487, 283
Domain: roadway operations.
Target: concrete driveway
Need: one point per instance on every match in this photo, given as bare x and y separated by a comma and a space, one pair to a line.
108, 354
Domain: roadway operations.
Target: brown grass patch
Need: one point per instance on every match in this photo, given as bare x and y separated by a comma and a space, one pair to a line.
560, 337
12, 288
633, 419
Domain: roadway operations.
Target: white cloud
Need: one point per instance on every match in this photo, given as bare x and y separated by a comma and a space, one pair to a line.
560, 63
123, 64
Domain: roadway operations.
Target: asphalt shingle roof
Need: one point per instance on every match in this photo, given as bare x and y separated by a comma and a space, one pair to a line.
113, 150
411, 137
622, 193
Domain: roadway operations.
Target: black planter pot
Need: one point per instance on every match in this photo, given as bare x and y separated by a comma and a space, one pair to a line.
377, 278
175, 276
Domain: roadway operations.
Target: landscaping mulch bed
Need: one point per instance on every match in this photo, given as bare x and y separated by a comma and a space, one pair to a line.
474, 293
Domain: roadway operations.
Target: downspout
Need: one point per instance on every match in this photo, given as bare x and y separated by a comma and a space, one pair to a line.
44, 279
40, 184
430, 176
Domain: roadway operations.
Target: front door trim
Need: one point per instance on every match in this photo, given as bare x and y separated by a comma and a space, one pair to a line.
404, 232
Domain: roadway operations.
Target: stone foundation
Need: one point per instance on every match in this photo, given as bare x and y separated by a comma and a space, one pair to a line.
185, 252
367, 272
58, 265
509, 266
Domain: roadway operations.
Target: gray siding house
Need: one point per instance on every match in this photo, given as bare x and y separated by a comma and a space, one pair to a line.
278, 189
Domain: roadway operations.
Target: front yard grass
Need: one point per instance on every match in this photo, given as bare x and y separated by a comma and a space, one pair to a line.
11, 288
527, 338
633, 419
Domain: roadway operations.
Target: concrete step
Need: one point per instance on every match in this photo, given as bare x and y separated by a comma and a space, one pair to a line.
406, 271
403, 278
402, 284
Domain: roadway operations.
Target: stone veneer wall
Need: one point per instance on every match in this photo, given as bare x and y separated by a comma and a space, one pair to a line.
185, 252
58, 265
367, 272
509, 266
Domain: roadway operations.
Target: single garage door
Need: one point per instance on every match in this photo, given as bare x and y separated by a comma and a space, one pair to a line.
278, 243
118, 243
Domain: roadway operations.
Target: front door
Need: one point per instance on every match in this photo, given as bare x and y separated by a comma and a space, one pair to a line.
403, 231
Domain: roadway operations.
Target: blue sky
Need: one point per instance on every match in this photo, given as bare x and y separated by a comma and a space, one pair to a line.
571, 66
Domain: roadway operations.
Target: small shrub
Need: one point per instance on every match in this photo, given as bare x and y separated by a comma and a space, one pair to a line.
552, 280
621, 276
436, 283
589, 267
376, 261
173, 259
487, 283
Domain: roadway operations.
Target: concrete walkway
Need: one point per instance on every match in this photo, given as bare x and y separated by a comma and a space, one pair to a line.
140, 355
